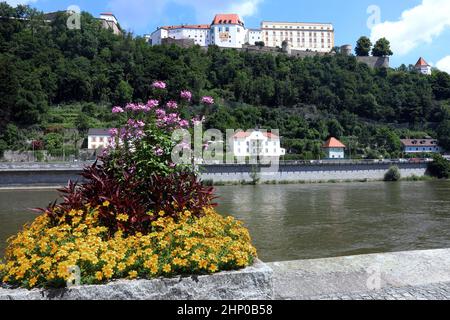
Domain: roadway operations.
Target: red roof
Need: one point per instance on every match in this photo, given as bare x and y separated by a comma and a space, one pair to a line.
333, 143
107, 14
243, 135
422, 63
192, 26
420, 142
227, 19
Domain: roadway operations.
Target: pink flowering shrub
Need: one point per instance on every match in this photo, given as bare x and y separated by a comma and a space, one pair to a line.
143, 144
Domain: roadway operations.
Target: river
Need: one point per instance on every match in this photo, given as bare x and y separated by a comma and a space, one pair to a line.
290, 222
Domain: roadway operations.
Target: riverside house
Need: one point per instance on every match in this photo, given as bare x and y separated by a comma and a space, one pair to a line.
98, 139
421, 146
257, 143
334, 149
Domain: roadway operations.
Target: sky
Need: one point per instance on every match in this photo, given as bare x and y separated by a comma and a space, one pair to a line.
416, 28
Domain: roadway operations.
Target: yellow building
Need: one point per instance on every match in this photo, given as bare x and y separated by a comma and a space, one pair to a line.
300, 35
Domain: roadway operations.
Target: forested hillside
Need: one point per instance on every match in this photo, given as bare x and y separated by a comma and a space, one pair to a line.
54, 78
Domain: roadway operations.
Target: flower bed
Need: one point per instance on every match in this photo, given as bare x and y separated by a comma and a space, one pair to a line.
138, 215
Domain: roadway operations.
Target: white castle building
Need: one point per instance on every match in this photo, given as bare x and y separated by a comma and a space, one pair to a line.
229, 31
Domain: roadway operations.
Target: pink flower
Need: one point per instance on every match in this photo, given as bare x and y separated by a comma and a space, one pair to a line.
187, 95
208, 100
159, 85
113, 132
136, 124
117, 110
172, 105
160, 113
159, 152
184, 123
152, 104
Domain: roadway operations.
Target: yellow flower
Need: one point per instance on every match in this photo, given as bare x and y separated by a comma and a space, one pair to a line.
122, 217
203, 264
106, 203
99, 275
33, 281
121, 266
213, 268
167, 268
132, 274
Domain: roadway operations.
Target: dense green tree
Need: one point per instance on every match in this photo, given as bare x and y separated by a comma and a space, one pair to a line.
53, 142
444, 134
439, 168
82, 123
123, 93
382, 48
363, 47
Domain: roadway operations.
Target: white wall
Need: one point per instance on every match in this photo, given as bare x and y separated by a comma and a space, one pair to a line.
335, 153
236, 35
95, 142
246, 147
158, 35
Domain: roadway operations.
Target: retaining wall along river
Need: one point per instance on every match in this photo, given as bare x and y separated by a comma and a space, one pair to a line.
37, 174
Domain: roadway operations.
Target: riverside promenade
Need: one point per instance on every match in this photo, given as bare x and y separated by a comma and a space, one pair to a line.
412, 275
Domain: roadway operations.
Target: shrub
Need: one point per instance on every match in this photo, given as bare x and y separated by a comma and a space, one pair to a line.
393, 174
439, 168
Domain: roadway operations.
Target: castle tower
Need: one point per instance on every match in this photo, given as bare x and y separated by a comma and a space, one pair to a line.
423, 67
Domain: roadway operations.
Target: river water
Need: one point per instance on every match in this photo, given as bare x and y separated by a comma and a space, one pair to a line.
290, 222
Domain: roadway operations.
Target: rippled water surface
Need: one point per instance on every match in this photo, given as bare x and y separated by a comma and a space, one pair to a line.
289, 222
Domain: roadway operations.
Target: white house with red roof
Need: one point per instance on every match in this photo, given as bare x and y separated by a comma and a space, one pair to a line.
334, 149
256, 143
423, 67
226, 30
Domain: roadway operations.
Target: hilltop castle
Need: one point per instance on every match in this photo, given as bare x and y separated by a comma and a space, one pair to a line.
229, 31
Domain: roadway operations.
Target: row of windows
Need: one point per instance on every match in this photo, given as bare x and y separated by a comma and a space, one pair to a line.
255, 150
100, 139
423, 149
298, 27
302, 40
254, 143
311, 34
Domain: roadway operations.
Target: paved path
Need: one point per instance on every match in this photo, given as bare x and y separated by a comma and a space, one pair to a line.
409, 275
440, 291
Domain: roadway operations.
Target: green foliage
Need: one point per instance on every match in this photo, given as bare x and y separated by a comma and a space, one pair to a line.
82, 123
363, 47
53, 142
439, 168
124, 93
393, 174
444, 134
382, 48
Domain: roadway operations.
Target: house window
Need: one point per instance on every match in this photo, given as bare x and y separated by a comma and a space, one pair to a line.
94, 139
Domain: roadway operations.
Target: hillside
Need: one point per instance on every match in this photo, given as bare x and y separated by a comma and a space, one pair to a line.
53, 78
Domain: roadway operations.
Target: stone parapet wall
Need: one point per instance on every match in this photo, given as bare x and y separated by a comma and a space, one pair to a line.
252, 283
